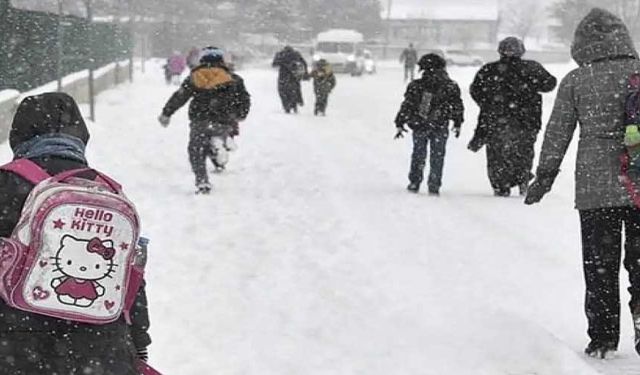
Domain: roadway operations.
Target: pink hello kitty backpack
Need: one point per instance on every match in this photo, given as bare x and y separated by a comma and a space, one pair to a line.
73, 254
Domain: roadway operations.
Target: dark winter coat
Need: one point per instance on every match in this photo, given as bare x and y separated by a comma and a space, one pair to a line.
219, 96
34, 344
431, 102
508, 92
593, 96
290, 64
410, 57
324, 81
291, 69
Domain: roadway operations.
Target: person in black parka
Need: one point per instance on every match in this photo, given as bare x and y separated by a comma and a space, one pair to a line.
410, 58
49, 130
508, 93
292, 69
430, 103
220, 101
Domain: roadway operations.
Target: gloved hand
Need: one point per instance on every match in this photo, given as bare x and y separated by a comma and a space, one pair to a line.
142, 354
474, 145
164, 120
400, 133
540, 186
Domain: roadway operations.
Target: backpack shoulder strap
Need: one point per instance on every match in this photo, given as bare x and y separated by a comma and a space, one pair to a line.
26, 169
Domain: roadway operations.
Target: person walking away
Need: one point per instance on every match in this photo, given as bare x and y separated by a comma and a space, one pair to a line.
324, 81
48, 137
219, 100
409, 57
292, 70
176, 64
508, 93
430, 103
593, 95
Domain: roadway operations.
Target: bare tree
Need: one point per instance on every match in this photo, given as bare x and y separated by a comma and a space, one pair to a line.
570, 12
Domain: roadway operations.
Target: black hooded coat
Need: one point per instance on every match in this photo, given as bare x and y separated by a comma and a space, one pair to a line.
32, 344
290, 63
593, 97
508, 93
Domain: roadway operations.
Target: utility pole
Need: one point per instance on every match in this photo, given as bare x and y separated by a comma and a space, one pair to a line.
92, 99
60, 45
388, 34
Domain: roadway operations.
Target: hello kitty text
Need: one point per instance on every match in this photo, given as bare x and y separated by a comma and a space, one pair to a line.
93, 221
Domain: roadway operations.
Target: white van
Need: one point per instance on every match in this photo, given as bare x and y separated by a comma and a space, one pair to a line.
343, 49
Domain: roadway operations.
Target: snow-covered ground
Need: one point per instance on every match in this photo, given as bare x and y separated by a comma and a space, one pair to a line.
311, 259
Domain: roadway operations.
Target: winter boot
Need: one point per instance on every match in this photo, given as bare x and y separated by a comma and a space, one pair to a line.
218, 168
601, 350
203, 188
413, 188
221, 153
434, 191
636, 327
503, 192
523, 189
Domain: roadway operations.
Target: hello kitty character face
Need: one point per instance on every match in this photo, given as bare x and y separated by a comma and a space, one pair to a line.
85, 259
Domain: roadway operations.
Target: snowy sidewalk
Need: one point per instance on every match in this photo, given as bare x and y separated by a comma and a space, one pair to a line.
310, 258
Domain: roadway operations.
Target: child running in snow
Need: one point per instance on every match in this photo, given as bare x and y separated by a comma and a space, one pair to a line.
220, 101
324, 81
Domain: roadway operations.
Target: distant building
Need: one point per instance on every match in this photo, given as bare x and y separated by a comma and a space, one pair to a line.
469, 25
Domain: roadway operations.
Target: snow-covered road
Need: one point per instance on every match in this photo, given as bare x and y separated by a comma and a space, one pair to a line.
311, 259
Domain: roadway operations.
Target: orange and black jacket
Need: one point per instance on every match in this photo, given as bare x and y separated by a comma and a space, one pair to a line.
219, 96
324, 81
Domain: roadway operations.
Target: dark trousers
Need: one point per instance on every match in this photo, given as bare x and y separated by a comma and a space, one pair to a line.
290, 92
409, 72
526, 155
201, 147
437, 139
601, 247
510, 158
322, 99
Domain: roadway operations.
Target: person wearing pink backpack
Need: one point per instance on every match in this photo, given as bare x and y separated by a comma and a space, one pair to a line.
176, 64
48, 138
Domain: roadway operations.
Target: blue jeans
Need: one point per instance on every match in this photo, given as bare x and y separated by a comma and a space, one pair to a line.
421, 141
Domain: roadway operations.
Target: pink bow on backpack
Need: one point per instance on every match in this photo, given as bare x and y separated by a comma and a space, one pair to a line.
97, 247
